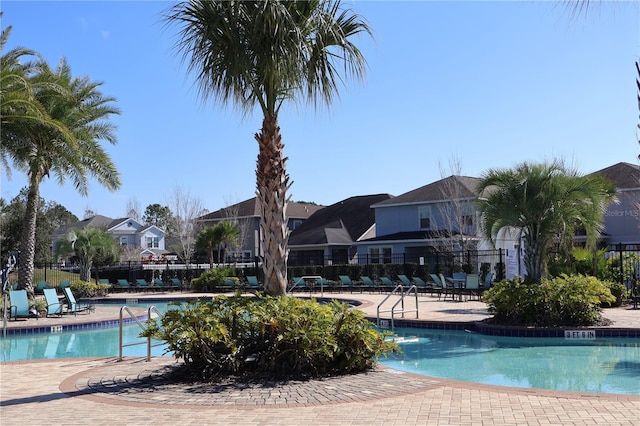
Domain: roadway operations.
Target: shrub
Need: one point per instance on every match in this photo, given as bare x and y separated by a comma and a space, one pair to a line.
212, 278
565, 300
84, 289
275, 336
618, 290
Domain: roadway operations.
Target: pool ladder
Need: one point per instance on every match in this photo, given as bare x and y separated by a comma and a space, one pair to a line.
399, 291
121, 344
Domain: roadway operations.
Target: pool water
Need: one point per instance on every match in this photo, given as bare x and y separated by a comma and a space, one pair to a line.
601, 365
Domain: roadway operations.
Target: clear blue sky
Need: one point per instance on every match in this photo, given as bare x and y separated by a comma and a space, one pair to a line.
489, 83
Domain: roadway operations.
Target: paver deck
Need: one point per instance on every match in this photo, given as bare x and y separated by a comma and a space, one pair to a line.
102, 391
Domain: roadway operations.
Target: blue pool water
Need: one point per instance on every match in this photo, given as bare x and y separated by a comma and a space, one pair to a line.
601, 365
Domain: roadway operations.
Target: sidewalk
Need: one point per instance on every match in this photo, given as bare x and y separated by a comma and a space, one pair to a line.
103, 391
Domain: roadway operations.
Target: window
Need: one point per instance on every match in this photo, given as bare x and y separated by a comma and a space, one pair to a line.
153, 242
467, 220
123, 241
425, 217
380, 254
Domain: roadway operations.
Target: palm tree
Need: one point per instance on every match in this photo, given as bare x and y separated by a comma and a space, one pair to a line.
68, 149
227, 234
89, 246
263, 53
547, 203
208, 239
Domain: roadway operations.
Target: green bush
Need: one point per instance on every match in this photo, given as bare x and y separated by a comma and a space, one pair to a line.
212, 278
275, 336
84, 289
567, 300
618, 290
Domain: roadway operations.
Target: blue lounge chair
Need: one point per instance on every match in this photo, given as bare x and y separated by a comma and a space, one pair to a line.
405, 281
19, 307
142, 284
176, 283
348, 284
388, 285
253, 282
422, 285
64, 284
73, 306
124, 285
40, 287
54, 307
472, 285
369, 284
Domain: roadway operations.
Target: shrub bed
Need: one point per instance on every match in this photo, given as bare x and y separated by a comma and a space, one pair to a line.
280, 337
567, 300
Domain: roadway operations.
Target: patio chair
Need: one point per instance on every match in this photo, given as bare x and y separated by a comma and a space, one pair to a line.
253, 282
297, 283
103, 281
472, 285
40, 287
387, 284
348, 284
19, 307
405, 281
64, 284
54, 307
447, 288
422, 285
176, 283
73, 306
123, 285
369, 284
142, 284
158, 283
438, 286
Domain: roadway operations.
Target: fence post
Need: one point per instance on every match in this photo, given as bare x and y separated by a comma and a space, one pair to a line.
621, 264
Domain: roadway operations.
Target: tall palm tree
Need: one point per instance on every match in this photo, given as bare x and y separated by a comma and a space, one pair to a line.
263, 53
547, 203
69, 149
88, 246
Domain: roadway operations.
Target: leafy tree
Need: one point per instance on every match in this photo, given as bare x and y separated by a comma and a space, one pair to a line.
547, 203
89, 246
208, 239
263, 53
70, 149
158, 215
228, 234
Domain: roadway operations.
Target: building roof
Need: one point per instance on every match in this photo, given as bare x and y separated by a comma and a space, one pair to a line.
456, 187
341, 223
623, 175
251, 208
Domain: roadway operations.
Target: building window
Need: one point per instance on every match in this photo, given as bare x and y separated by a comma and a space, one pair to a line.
123, 241
425, 217
467, 220
380, 254
153, 242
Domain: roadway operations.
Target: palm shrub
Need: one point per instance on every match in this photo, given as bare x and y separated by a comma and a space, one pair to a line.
566, 300
212, 278
281, 337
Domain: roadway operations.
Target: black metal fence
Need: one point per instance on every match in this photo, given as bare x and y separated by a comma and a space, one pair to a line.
621, 263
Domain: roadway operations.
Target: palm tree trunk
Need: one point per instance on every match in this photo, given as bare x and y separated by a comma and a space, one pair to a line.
28, 242
272, 186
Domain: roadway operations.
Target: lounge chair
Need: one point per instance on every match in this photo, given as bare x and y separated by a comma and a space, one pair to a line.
422, 285
348, 284
123, 285
405, 281
54, 307
297, 283
158, 283
387, 284
103, 281
369, 284
73, 306
447, 288
40, 287
176, 283
19, 307
142, 284
64, 284
253, 282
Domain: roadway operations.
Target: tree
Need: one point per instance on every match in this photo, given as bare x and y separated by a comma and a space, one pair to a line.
263, 53
133, 209
186, 209
208, 239
547, 204
158, 215
89, 246
70, 149
228, 234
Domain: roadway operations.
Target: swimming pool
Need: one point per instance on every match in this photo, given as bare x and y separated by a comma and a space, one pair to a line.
600, 365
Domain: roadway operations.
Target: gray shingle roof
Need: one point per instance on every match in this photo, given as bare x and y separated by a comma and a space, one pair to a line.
251, 208
443, 189
623, 175
340, 223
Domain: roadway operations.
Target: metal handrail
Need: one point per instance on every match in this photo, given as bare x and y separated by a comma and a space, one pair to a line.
121, 345
402, 295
